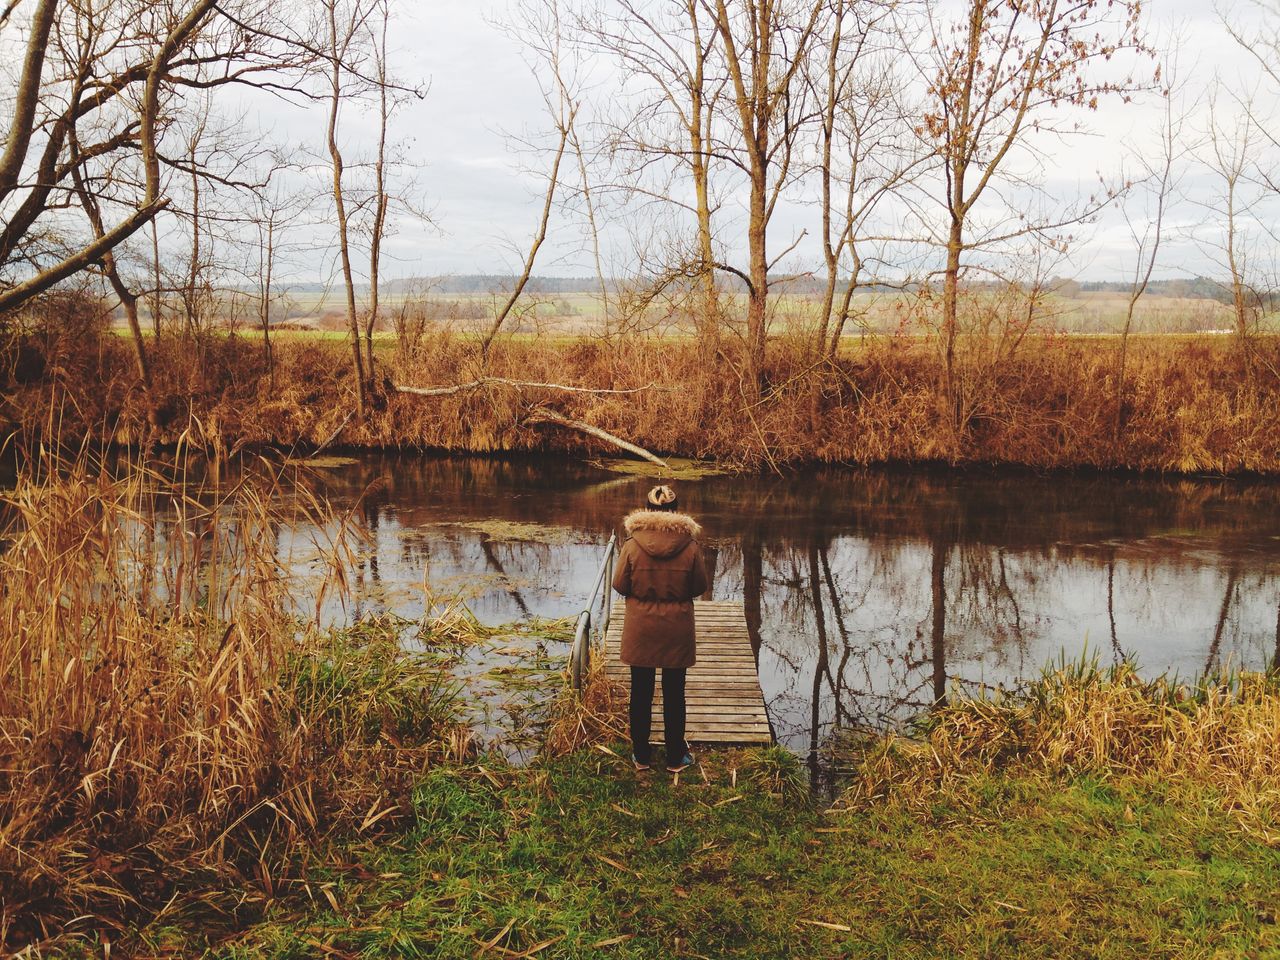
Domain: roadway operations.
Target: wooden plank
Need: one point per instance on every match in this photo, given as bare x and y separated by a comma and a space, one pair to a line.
743, 673
723, 700
719, 738
704, 684
726, 703
728, 726
705, 732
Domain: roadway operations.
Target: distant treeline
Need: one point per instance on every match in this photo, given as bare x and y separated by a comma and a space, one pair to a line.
1196, 288
478, 283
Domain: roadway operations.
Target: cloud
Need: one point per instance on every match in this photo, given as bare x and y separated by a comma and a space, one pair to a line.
484, 191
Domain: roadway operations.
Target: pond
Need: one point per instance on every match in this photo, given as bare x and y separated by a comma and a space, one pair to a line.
869, 593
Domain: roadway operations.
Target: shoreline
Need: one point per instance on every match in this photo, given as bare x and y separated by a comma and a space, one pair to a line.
299, 454
1187, 411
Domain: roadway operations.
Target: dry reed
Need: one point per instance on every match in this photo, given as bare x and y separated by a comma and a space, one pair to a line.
596, 714
1186, 405
1221, 734
167, 722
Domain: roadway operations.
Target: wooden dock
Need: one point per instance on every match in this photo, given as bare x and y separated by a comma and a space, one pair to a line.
725, 703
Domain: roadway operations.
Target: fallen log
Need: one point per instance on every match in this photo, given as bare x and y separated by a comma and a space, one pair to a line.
543, 415
517, 384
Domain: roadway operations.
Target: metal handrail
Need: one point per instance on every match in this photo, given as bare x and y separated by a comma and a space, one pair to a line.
601, 596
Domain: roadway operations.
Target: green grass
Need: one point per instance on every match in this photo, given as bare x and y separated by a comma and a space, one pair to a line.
580, 858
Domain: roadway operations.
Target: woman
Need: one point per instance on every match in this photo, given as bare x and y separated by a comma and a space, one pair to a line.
660, 571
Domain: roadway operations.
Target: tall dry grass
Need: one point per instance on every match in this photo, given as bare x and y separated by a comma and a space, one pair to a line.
168, 723
594, 715
1220, 735
1186, 404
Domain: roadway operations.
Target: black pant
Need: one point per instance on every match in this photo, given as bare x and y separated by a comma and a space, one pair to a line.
673, 711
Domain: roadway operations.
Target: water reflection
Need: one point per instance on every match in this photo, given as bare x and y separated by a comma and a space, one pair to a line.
869, 595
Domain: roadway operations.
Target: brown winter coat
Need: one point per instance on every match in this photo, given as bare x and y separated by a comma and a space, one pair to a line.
660, 571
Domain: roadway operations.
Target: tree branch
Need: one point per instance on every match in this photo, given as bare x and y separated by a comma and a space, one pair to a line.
28, 95
16, 296
565, 131
543, 415
517, 384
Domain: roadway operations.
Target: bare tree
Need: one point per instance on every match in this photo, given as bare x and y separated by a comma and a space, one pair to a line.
544, 25
97, 99
346, 23
864, 156
1230, 154
110, 71
109, 268
88, 85
1159, 180
1262, 43
995, 74
276, 210
667, 53
381, 199
765, 44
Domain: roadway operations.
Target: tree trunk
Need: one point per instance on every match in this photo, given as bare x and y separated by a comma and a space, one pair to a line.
708, 320
950, 323
130, 303
155, 294
380, 200
830, 252
846, 300
759, 293
269, 262
93, 211
27, 97
340, 209
1122, 366
1238, 302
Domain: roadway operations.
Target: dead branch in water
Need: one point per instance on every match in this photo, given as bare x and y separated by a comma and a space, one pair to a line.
333, 436
517, 384
543, 415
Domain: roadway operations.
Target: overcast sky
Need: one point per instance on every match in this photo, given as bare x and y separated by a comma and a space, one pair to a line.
484, 192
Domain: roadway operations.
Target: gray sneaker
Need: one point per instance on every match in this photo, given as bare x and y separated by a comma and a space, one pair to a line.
685, 762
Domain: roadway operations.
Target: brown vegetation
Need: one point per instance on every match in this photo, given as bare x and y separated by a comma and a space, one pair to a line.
1078, 720
594, 716
170, 731
1188, 405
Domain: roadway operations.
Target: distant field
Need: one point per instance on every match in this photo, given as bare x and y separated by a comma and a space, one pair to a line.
585, 314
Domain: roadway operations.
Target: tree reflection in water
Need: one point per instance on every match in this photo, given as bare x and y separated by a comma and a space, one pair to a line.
869, 595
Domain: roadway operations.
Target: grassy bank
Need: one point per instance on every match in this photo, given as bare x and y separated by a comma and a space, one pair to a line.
1186, 405
985, 839
580, 859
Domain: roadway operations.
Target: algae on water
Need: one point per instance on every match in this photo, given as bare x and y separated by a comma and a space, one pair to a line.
322, 463
678, 468
511, 530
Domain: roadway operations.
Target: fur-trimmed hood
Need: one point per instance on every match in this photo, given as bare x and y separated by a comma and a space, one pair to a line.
661, 533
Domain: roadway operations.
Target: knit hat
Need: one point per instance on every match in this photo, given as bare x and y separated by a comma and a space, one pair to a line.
662, 498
